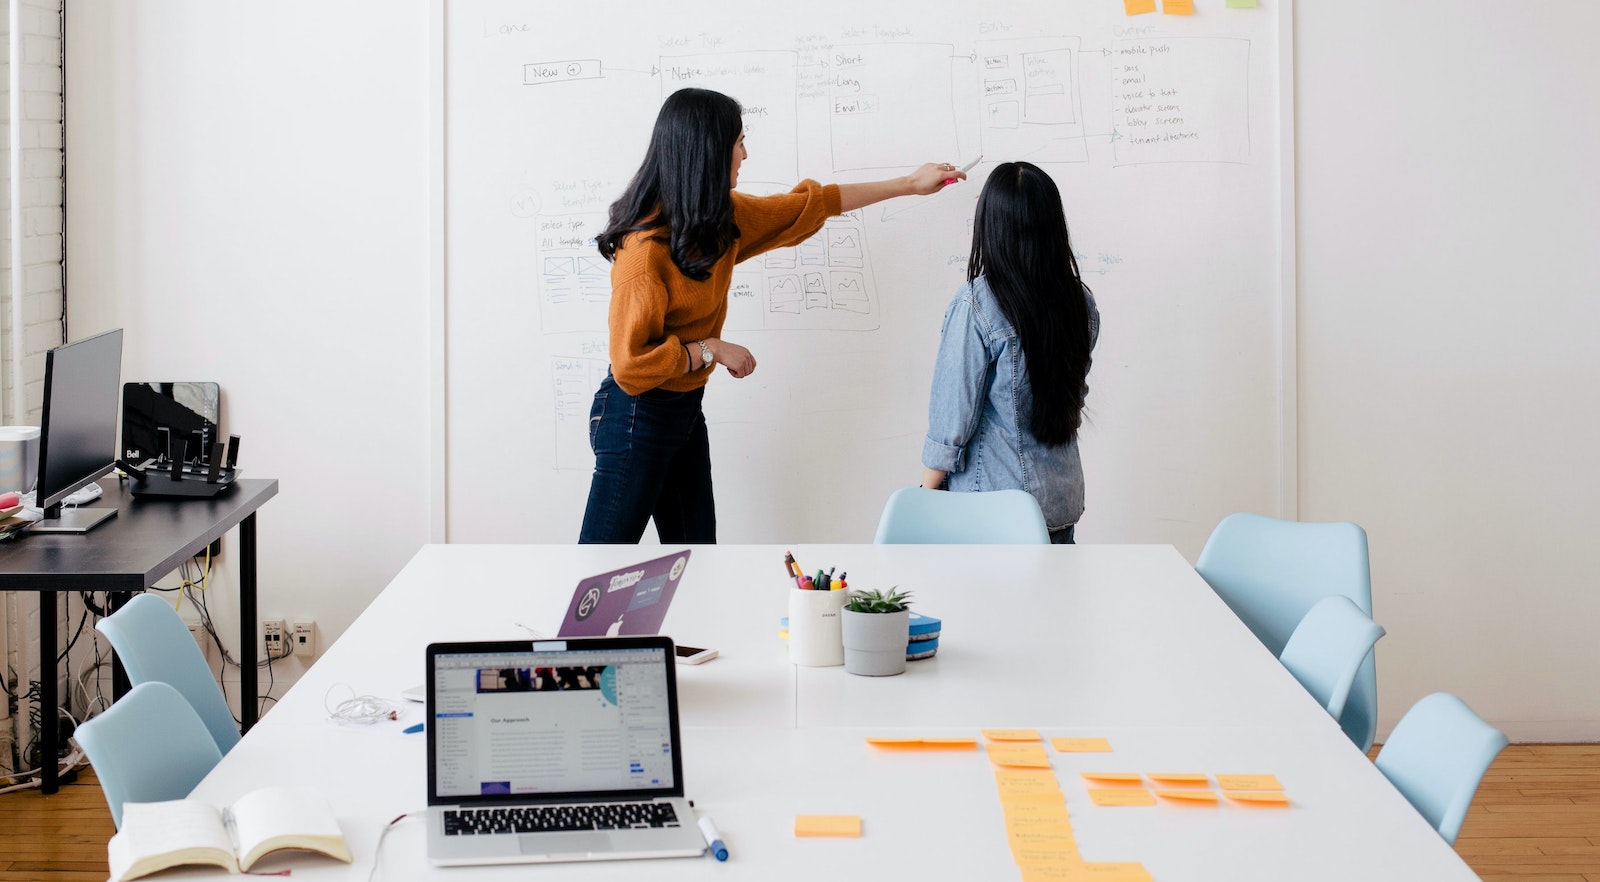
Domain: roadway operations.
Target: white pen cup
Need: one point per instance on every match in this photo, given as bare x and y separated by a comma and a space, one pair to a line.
815, 639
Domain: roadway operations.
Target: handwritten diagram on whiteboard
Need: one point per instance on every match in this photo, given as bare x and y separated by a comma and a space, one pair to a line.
1159, 131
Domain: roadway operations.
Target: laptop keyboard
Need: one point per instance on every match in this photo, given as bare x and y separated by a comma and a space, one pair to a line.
559, 818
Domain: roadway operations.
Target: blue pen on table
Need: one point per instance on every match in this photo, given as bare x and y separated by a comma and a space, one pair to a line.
713, 838
412, 729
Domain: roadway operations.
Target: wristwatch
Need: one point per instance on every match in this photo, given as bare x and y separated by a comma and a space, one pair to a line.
706, 358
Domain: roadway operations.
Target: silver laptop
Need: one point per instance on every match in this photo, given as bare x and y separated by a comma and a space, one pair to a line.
555, 750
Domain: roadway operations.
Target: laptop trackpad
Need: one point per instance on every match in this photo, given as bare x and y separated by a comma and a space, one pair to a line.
554, 844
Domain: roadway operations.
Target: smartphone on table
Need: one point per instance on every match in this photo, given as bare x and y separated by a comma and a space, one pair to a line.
693, 655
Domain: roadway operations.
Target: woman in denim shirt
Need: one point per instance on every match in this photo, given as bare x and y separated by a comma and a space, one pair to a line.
1014, 355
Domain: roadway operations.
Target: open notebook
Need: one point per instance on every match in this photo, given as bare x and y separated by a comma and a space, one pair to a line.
555, 750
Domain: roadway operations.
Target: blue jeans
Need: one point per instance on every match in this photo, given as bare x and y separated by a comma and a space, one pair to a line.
1063, 536
652, 458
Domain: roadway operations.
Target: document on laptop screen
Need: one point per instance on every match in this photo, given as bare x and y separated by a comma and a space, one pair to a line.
552, 722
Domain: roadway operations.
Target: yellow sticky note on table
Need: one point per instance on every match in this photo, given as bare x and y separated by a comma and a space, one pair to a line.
1190, 796
1015, 782
1138, 7
1011, 734
1121, 796
1248, 782
1181, 779
1081, 745
1113, 777
1177, 7
1264, 797
827, 825
1019, 754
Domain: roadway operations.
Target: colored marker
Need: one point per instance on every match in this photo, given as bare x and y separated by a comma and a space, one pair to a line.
412, 729
713, 838
965, 168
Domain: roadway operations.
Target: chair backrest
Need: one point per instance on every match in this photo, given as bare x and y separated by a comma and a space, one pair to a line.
917, 516
155, 646
1327, 649
1436, 756
1271, 572
149, 746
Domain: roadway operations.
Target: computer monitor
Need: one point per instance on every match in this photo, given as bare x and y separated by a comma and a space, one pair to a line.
78, 438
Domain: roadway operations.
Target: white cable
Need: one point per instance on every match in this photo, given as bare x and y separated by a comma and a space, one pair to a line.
361, 710
377, 850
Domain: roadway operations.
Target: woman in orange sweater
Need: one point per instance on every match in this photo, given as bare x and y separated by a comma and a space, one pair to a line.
673, 239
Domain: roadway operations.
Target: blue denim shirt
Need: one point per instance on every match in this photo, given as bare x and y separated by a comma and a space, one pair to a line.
978, 412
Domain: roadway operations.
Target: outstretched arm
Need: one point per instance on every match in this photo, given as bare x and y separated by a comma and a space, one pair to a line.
930, 178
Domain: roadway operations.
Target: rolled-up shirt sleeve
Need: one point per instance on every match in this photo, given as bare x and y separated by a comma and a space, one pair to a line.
960, 382
783, 219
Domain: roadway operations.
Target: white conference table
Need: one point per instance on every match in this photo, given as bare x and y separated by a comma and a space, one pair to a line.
1121, 642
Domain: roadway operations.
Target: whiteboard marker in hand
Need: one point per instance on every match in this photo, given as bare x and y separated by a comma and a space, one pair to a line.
966, 168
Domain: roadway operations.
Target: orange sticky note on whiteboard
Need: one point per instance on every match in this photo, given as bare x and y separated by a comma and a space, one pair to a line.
1178, 7
1138, 7
827, 825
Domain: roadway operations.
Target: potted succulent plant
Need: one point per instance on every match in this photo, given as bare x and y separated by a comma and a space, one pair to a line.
876, 626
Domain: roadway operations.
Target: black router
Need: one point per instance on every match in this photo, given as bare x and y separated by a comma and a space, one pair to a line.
202, 478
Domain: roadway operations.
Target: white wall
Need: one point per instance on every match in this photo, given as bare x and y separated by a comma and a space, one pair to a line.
1449, 210
249, 197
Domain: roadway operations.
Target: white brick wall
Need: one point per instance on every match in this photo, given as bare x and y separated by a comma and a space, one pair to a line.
38, 131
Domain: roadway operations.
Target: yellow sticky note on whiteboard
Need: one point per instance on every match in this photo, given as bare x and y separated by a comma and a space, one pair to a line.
1178, 7
1138, 7
827, 825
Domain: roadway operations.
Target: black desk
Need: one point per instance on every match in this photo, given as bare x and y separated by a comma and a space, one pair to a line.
148, 539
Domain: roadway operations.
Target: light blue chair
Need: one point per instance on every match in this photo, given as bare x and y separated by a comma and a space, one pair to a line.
1437, 755
1327, 649
917, 516
154, 645
150, 746
1271, 572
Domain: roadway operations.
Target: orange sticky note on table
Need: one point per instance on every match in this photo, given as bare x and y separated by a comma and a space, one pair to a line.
1264, 797
1113, 777
924, 743
1121, 796
1248, 782
1182, 779
1011, 734
1138, 7
1015, 782
1190, 796
1081, 745
1177, 7
1018, 754
827, 825
1129, 871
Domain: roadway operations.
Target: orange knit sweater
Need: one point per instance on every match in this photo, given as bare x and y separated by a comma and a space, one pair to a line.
655, 309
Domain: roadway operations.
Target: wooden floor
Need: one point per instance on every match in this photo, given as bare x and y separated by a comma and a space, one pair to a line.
1536, 819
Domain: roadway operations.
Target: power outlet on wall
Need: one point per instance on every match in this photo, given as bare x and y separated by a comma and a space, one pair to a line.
199, 634
275, 637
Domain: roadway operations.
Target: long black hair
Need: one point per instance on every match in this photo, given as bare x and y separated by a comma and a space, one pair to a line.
1020, 245
683, 186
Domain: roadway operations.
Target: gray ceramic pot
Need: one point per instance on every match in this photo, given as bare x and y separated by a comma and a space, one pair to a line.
875, 643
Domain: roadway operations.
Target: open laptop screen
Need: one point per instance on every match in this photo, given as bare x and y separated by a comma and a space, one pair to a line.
557, 720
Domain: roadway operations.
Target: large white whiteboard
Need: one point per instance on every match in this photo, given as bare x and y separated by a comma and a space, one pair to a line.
1163, 132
